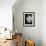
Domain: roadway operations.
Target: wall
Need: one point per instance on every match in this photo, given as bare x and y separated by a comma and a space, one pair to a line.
43, 22
33, 33
6, 13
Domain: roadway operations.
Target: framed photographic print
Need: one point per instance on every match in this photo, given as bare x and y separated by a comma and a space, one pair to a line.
28, 19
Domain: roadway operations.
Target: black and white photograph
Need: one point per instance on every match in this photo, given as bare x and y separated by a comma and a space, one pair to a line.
28, 19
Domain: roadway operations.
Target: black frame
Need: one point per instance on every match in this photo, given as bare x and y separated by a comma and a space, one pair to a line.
30, 22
